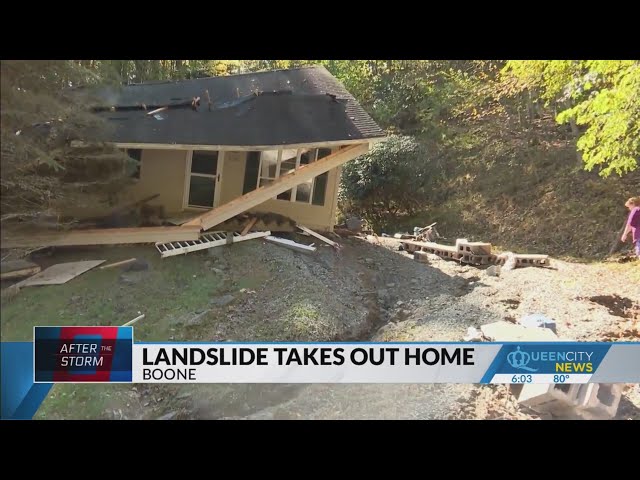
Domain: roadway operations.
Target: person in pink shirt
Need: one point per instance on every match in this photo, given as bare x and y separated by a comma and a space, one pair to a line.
633, 223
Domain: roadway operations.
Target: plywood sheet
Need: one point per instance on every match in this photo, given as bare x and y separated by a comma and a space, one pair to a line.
60, 273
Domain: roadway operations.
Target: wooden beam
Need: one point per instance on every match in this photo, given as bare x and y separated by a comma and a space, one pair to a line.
103, 236
237, 148
318, 236
246, 229
256, 197
299, 247
118, 264
17, 269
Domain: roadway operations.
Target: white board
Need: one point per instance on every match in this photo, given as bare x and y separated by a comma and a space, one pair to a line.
60, 273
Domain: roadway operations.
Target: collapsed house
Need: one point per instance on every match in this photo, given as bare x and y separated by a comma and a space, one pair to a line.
207, 144
210, 149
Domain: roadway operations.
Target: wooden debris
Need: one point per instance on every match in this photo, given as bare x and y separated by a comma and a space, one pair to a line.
299, 247
17, 269
157, 110
117, 264
249, 226
319, 237
104, 236
60, 273
131, 322
206, 93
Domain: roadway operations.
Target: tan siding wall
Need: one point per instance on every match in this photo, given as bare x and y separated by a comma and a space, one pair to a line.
232, 176
162, 172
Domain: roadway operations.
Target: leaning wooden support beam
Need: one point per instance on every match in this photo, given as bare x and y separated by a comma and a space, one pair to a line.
318, 236
249, 226
256, 197
284, 242
103, 236
118, 264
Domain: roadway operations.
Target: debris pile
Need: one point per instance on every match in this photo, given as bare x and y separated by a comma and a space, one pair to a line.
473, 253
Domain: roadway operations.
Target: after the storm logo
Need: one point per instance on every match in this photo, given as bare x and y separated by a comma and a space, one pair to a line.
83, 354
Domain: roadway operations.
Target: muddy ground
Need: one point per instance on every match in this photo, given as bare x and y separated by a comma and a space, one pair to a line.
369, 290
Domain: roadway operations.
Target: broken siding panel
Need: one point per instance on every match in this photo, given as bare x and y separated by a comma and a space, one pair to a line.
163, 172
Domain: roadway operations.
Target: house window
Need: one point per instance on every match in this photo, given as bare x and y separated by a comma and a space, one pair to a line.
251, 172
269, 163
288, 164
314, 189
262, 168
202, 180
136, 155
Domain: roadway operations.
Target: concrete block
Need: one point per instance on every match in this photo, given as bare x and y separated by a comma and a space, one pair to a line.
557, 399
508, 332
599, 401
422, 257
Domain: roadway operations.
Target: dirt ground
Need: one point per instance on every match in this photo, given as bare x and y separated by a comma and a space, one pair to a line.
369, 290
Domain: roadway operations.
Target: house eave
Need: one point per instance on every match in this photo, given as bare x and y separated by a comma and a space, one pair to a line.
175, 146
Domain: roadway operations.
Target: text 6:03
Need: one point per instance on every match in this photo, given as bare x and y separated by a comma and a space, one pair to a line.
521, 379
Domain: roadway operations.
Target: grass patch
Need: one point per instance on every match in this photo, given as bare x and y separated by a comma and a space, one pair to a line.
169, 288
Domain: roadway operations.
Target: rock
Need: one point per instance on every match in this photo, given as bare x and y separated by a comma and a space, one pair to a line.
168, 416
383, 293
217, 271
354, 224
182, 396
510, 261
75, 298
537, 320
399, 303
414, 280
493, 271
128, 279
223, 300
391, 285
368, 261
473, 335
137, 266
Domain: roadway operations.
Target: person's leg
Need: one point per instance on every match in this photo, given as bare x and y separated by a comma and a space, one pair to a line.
638, 248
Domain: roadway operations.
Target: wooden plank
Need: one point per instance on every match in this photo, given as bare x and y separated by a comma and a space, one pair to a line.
251, 223
17, 269
256, 197
117, 264
60, 273
299, 247
318, 236
103, 236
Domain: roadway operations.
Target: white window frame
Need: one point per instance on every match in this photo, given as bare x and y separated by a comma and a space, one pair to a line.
217, 178
294, 189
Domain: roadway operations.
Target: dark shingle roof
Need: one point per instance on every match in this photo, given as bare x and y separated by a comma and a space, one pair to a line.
282, 107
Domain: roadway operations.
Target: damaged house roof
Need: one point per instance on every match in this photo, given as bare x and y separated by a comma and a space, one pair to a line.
282, 107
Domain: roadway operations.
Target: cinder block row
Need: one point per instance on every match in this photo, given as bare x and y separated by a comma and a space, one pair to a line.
590, 401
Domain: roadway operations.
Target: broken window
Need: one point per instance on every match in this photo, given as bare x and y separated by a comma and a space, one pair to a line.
268, 167
262, 168
251, 172
287, 166
306, 191
202, 180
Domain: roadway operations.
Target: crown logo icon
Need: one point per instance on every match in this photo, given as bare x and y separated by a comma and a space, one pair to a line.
520, 360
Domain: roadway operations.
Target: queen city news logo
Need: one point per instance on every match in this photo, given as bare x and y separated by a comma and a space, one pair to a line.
543, 360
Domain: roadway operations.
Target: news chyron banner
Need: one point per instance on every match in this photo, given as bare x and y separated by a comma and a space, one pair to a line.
109, 354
